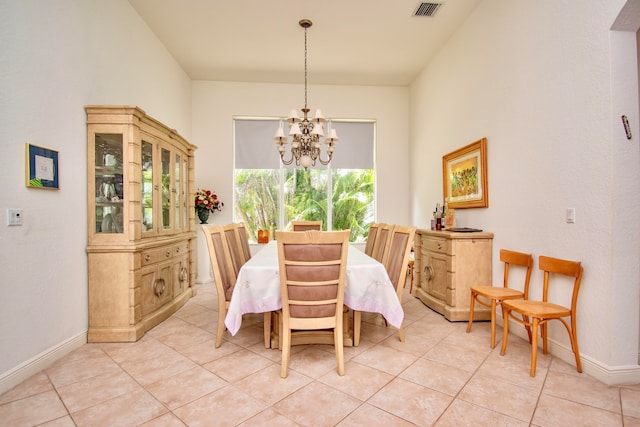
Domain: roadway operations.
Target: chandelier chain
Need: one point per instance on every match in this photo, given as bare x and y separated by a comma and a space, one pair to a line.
305, 67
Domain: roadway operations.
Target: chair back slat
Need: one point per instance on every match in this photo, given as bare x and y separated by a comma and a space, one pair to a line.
397, 257
235, 248
243, 235
224, 275
381, 245
371, 238
306, 225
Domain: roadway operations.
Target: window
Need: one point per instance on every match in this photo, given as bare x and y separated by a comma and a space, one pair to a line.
268, 195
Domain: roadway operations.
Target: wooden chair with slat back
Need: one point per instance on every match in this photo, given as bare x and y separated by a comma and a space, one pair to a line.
235, 247
243, 236
395, 262
491, 296
541, 312
306, 225
312, 269
224, 275
381, 245
371, 238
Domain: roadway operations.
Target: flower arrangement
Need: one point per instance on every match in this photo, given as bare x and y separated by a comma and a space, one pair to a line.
208, 201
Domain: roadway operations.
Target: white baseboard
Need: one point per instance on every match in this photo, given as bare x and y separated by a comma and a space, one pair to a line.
24, 371
610, 375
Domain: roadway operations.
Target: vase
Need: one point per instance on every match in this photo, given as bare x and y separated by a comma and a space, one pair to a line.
203, 215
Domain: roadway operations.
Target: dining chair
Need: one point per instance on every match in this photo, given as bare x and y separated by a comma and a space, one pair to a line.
235, 247
491, 296
371, 238
224, 275
306, 225
396, 263
243, 236
381, 245
541, 312
312, 269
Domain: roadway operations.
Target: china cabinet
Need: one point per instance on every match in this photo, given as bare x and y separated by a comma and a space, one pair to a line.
447, 264
141, 236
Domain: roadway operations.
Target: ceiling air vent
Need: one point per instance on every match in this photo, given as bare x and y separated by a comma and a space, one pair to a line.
427, 9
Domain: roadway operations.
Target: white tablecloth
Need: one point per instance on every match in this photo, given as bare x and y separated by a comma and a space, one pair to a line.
257, 288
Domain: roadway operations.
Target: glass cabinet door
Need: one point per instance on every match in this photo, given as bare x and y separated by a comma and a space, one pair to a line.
147, 187
178, 192
165, 159
109, 188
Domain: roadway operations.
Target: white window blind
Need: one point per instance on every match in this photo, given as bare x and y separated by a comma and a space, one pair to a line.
255, 148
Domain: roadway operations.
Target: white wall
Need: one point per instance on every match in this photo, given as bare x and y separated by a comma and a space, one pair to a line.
541, 81
58, 56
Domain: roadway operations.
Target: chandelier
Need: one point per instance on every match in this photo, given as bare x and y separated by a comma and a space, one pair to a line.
305, 132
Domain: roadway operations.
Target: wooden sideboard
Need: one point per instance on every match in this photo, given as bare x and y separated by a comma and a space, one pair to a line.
447, 264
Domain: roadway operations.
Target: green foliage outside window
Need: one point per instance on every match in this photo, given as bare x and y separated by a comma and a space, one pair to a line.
305, 195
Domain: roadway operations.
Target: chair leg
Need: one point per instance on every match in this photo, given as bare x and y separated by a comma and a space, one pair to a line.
471, 305
401, 333
534, 346
267, 330
357, 323
285, 333
338, 339
220, 330
505, 330
493, 322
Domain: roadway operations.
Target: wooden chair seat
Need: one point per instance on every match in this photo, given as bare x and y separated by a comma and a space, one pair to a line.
498, 294
536, 314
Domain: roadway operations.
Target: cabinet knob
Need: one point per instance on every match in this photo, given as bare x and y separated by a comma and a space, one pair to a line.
158, 287
147, 257
184, 274
428, 272
168, 254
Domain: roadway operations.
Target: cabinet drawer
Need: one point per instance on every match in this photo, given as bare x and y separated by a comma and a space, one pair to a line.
153, 256
436, 245
181, 248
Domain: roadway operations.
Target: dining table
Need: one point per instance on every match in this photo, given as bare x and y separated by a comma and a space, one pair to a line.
367, 288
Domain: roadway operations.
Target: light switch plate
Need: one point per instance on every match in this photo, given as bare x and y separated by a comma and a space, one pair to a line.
571, 215
14, 216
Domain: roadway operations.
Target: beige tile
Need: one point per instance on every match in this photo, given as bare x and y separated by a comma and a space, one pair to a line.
62, 374
267, 386
436, 376
630, 402
36, 384
268, 418
65, 421
314, 361
238, 365
367, 415
413, 344
452, 355
412, 402
247, 336
206, 351
185, 387
149, 371
359, 381
32, 410
490, 393
317, 405
227, 406
553, 411
513, 369
631, 422
376, 332
188, 337
144, 349
462, 413
166, 420
583, 389
126, 410
386, 359
82, 394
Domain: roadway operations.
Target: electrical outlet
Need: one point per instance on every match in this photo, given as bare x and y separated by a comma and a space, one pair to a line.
14, 216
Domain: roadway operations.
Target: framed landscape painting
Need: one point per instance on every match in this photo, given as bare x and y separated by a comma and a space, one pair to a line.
464, 176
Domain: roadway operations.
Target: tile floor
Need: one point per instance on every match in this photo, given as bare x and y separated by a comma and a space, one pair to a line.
440, 376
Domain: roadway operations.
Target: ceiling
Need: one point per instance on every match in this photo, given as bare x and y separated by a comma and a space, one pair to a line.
351, 42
